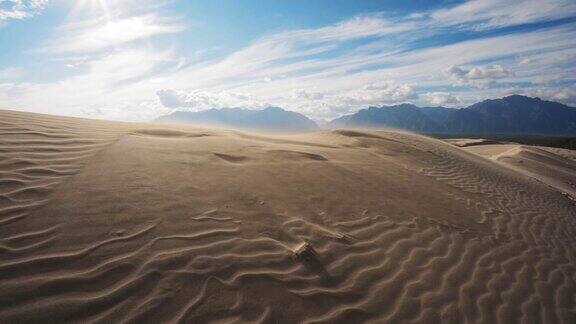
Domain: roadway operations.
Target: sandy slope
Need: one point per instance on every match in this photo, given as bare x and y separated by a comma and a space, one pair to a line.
553, 166
109, 222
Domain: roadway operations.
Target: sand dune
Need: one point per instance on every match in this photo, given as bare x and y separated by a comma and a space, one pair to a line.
553, 166
145, 223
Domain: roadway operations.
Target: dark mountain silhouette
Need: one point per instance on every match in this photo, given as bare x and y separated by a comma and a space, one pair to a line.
514, 115
269, 119
510, 115
404, 116
440, 115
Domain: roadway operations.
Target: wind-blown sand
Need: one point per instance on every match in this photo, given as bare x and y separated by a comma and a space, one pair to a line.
115, 222
553, 166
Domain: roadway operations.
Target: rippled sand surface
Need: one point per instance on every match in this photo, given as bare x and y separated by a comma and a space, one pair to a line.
104, 222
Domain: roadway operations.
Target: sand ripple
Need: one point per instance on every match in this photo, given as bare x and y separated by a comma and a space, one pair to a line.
95, 230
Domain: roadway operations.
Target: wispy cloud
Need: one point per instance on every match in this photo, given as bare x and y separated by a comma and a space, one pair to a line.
356, 27
288, 51
479, 76
103, 33
111, 65
489, 14
199, 100
10, 73
442, 99
423, 67
20, 9
118, 72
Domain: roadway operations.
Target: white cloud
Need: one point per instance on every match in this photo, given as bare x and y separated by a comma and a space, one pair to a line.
356, 27
442, 99
382, 92
200, 100
20, 9
322, 72
117, 80
10, 73
106, 72
425, 67
336, 85
309, 95
319, 106
488, 14
102, 33
325, 106
282, 53
479, 76
374, 94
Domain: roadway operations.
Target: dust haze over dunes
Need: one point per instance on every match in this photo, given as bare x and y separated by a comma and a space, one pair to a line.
118, 222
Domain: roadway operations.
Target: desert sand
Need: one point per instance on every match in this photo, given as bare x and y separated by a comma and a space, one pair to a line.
105, 222
553, 166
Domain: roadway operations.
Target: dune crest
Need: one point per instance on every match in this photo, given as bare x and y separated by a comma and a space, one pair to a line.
117, 222
553, 166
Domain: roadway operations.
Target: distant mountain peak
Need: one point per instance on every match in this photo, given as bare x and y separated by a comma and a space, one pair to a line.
514, 114
273, 108
398, 106
402, 116
517, 96
267, 119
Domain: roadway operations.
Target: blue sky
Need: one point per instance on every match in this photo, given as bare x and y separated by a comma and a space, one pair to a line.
135, 60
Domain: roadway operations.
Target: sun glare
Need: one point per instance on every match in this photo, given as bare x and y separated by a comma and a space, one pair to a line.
104, 5
93, 7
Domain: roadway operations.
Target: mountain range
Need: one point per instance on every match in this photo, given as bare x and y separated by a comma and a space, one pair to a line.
268, 119
514, 114
509, 115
